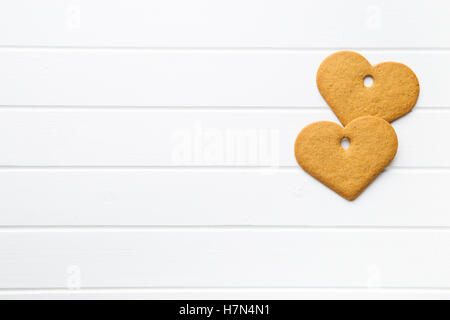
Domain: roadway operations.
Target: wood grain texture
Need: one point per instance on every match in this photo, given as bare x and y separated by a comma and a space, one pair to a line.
113, 176
236, 23
191, 78
154, 197
194, 138
226, 294
214, 258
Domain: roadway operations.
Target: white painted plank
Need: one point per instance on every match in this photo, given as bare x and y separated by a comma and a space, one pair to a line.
205, 197
198, 78
254, 138
206, 23
228, 258
226, 294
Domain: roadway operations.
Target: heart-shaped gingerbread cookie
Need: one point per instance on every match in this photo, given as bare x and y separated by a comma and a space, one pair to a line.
373, 145
340, 80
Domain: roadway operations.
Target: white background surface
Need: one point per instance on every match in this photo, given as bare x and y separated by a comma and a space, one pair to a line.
146, 151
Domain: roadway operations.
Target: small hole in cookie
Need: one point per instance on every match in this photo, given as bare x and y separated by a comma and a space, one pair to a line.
368, 81
345, 143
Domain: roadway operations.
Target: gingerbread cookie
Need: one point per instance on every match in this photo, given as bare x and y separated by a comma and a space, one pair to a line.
373, 145
340, 80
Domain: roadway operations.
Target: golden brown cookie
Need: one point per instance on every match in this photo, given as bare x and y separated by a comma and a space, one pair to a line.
373, 145
340, 80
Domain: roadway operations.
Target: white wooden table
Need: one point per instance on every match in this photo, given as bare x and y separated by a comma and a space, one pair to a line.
146, 151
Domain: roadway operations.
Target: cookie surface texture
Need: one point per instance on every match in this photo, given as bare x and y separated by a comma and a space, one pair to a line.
373, 145
340, 80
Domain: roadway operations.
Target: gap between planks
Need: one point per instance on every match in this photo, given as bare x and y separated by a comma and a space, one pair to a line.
261, 169
217, 228
53, 108
226, 48
208, 289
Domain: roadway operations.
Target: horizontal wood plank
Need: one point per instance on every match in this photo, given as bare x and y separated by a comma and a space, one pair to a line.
176, 138
235, 258
208, 197
226, 294
192, 78
234, 23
